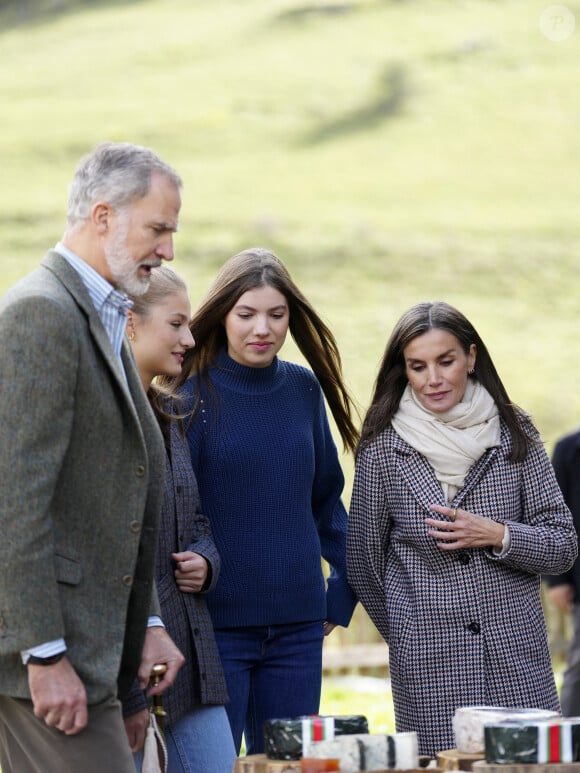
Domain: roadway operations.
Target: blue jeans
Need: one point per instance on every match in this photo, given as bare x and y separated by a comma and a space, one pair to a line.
200, 741
271, 672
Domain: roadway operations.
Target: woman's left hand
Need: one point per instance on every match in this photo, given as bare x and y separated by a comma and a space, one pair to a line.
464, 530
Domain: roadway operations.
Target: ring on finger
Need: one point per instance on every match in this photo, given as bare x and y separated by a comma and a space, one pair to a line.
454, 514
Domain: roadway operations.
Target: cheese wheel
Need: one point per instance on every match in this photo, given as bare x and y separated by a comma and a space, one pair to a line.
469, 721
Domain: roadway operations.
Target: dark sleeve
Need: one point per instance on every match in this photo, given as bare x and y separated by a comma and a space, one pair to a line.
331, 521
203, 544
562, 461
135, 700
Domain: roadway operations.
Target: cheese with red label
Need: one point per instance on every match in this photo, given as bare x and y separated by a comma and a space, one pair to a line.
285, 739
524, 742
469, 721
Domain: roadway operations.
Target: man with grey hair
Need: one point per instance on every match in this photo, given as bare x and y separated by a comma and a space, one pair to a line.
81, 476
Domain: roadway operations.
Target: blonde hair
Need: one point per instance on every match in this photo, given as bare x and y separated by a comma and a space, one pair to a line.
163, 283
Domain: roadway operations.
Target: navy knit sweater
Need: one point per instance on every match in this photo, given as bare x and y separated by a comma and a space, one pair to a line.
270, 483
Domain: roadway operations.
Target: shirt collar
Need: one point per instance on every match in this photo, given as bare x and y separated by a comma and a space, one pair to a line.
100, 290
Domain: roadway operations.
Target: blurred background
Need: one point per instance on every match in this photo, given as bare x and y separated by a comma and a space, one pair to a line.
389, 151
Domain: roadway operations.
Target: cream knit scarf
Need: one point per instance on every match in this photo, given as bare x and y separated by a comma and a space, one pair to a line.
452, 441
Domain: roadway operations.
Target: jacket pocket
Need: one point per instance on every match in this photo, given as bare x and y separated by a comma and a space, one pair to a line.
67, 571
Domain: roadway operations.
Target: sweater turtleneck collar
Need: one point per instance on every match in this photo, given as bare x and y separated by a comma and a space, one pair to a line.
243, 378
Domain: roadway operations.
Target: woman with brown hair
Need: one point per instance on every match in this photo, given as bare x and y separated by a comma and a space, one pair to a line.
455, 514
270, 482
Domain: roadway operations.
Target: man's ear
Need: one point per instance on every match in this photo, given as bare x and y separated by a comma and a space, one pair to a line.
100, 215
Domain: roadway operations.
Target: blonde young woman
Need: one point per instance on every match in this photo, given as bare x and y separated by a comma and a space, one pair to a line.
187, 567
455, 514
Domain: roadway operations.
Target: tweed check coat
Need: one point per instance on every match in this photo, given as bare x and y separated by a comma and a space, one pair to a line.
81, 466
464, 628
183, 527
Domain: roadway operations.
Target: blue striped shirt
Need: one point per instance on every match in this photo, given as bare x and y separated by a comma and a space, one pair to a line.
111, 304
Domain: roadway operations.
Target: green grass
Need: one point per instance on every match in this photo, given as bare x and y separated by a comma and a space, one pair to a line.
390, 152
343, 696
354, 695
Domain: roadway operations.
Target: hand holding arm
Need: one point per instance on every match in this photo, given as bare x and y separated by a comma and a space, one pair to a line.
191, 573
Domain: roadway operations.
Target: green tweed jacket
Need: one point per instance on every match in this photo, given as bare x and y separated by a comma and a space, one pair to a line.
81, 481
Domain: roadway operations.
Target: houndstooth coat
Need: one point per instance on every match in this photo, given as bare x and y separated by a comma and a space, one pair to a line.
200, 680
464, 628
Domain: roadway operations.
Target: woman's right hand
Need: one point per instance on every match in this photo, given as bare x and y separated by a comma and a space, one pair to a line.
464, 530
191, 572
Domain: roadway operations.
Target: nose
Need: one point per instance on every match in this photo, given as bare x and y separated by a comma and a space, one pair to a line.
261, 327
164, 249
433, 373
187, 339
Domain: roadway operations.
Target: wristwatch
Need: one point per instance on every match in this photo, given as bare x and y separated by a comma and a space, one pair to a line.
33, 660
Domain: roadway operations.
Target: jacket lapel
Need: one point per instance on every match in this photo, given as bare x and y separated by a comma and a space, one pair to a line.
127, 381
417, 474
475, 473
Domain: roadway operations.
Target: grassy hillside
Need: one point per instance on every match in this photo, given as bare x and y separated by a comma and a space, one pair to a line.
389, 151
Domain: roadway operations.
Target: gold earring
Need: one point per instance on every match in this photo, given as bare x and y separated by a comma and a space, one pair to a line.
131, 333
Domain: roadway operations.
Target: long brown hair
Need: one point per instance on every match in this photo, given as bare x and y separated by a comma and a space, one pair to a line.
392, 380
257, 267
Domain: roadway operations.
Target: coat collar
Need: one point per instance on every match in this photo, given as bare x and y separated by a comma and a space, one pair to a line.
420, 477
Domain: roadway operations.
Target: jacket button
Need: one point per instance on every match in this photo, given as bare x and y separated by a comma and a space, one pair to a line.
464, 558
474, 627
135, 527
128, 580
140, 471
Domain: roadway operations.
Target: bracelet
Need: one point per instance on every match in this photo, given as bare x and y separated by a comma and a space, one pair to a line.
506, 541
33, 660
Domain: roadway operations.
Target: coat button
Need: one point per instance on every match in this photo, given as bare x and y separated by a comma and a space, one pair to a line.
135, 527
128, 580
140, 471
474, 627
464, 558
